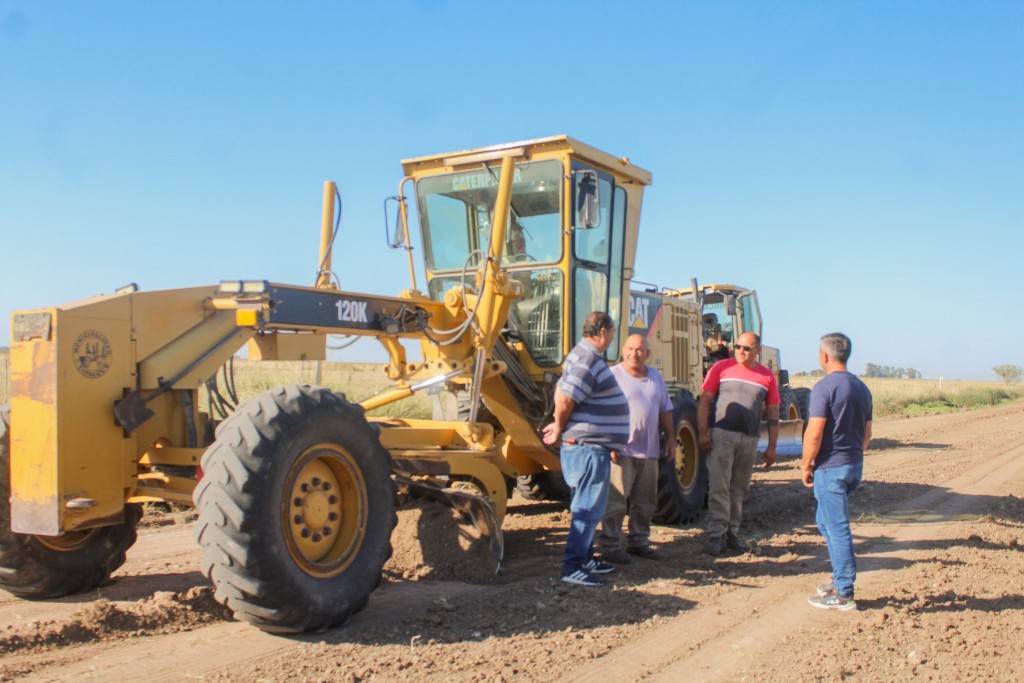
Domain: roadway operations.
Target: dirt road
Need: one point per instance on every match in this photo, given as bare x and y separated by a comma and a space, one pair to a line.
939, 530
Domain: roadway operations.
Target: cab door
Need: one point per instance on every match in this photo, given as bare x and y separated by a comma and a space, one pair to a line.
597, 254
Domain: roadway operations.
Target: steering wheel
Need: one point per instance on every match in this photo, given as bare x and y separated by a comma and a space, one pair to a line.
521, 258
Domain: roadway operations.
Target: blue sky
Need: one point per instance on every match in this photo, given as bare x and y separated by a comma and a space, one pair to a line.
860, 164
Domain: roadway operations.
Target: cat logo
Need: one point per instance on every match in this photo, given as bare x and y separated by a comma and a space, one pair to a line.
91, 354
639, 312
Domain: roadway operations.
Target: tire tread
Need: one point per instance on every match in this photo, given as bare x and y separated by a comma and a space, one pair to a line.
239, 551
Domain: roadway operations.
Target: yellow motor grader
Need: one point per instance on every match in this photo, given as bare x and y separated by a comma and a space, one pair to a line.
295, 488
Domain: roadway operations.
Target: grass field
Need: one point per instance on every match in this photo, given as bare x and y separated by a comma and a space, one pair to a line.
923, 396
360, 380
356, 380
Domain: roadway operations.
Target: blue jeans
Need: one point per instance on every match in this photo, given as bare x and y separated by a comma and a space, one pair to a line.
586, 469
832, 488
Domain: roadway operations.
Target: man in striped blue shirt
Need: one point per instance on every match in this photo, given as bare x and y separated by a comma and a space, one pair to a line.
591, 420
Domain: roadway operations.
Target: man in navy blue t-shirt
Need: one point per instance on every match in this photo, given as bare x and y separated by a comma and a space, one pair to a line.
837, 434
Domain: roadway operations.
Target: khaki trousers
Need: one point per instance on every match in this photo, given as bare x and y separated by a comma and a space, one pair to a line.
634, 489
730, 467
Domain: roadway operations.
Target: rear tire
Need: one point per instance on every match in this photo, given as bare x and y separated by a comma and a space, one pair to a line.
789, 409
296, 510
43, 567
803, 401
683, 481
544, 486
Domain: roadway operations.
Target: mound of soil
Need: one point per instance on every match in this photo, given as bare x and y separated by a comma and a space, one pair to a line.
437, 542
162, 613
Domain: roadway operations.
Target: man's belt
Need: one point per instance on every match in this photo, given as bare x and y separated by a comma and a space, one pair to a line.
583, 442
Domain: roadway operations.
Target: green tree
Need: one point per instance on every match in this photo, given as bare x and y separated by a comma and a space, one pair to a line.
1011, 374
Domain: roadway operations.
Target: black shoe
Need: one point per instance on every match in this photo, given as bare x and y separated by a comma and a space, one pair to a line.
734, 542
645, 551
616, 556
714, 545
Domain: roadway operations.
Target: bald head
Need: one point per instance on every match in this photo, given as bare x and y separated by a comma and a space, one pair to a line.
746, 349
635, 352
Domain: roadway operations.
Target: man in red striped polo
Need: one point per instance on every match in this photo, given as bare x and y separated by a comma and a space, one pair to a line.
741, 385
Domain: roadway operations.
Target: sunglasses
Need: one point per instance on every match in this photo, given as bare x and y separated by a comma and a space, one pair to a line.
745, 348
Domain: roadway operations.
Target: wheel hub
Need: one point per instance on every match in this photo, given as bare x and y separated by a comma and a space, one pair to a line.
67, 542
316, 509
325, 513
686, 458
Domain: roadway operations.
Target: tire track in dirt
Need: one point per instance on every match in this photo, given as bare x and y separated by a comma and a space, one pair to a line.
721, 640
162, 560
218, 647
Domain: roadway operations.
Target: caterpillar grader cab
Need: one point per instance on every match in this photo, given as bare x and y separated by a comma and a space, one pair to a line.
727, 311
295, 487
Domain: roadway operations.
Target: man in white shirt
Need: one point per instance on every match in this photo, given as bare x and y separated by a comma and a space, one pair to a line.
634, 475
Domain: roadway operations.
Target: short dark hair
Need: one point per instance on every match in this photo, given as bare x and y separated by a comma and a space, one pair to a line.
597, 321
838, 346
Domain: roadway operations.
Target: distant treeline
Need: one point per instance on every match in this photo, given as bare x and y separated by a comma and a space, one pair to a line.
891, 372
872, 370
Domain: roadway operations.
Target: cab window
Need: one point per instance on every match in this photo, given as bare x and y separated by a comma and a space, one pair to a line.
456, 211
597, 262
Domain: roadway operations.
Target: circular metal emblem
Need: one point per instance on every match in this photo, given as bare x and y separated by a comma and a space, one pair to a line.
91, 353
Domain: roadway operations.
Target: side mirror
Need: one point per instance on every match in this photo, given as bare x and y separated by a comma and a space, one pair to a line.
588, 200
730, 304
396, 234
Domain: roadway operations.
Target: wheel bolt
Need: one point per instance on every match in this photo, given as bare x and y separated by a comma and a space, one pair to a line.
316, 538
327, 531
305, 487
332, 500
316, 481
333, 516
298, 502
327, 486
298, 519
305, 533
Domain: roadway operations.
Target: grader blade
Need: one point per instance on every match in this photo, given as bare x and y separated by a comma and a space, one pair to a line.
477, 508
791, 440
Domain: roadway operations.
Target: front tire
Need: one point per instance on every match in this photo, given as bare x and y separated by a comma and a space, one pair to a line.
44, 567
296, 510
683, 481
